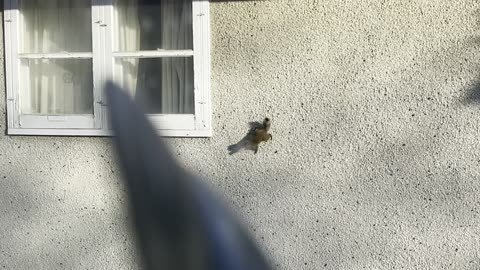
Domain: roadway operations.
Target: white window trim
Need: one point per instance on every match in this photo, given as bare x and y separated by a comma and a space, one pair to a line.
198, 124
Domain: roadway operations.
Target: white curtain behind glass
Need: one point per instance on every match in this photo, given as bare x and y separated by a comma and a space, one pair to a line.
61, 86
177, 72
163, 85
128, 39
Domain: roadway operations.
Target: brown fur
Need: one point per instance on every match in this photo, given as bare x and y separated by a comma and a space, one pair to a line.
258, 133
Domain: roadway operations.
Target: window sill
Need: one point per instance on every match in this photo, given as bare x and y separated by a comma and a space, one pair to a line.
102, 133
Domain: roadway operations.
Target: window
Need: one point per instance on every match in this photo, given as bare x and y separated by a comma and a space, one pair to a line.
59, 54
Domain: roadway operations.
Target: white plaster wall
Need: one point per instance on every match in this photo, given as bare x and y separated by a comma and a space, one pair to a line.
374, 161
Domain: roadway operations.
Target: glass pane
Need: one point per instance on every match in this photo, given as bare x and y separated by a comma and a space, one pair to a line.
153, 24
160, 85
51, 26
57, 87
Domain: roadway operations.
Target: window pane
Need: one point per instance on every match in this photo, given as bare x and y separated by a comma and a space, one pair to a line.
57, 87
51, 26
161, 85
153, 24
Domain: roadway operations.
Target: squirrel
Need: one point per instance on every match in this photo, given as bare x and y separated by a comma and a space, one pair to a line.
258, 133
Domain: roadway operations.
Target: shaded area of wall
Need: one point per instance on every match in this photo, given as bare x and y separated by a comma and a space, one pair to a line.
373, 163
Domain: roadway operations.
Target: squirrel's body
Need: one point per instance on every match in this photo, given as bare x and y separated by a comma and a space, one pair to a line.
258, 133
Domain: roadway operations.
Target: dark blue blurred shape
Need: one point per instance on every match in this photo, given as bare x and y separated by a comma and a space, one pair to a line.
180, 224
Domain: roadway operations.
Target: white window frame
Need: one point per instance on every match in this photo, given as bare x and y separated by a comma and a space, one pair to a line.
198, 124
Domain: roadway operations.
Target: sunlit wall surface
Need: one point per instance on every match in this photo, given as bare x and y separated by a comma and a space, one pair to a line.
374, 162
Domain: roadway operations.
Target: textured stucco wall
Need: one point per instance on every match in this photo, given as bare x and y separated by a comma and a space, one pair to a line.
374, 162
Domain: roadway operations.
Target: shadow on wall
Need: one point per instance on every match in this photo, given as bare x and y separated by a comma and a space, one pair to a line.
33, 234
473, 92
47, 224
416, 185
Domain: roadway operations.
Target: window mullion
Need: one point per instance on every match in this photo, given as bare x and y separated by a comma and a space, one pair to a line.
107, 56
201, 49
12, 31
154, 54
55, 55
98, 60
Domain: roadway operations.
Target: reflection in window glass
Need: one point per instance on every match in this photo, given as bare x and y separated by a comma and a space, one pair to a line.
58, 87
161, 85
52, 26
154, 24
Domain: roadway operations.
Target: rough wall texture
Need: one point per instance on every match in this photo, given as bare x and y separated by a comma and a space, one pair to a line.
374, 162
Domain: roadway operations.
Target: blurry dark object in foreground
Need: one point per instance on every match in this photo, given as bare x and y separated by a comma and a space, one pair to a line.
179, 223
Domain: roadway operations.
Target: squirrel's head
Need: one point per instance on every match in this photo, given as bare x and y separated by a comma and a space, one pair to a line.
267, 123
